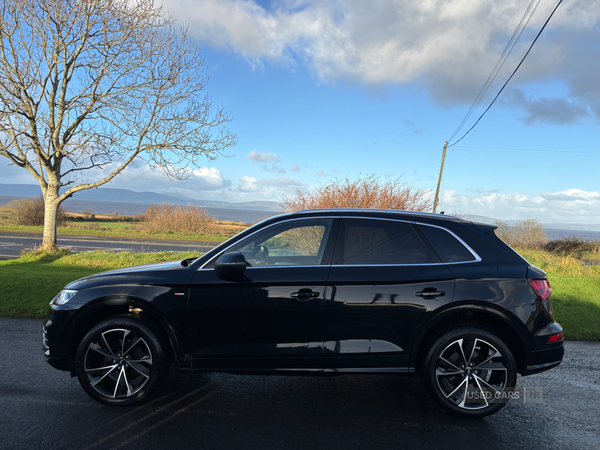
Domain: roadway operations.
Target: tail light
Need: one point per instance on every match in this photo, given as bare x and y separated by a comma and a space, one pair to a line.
555, 338
542, 288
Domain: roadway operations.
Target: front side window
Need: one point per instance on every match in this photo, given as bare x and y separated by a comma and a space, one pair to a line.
382, 242
294, 243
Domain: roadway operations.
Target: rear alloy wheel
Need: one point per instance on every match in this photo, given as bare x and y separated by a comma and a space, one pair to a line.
470, 372
119, 361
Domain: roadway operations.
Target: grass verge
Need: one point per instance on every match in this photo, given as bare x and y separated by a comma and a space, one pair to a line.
575, 292
29, 283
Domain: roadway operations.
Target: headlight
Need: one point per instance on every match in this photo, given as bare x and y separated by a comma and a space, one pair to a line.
64, 296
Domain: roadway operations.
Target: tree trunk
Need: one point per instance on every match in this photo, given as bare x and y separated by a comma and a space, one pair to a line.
51, 204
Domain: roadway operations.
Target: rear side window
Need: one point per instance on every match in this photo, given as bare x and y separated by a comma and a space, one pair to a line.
382, 242
448, 248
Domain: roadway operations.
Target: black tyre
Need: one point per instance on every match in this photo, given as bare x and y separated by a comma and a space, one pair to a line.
470, 372
120, 361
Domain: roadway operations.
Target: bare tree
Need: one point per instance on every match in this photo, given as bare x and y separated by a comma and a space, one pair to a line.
89, 86
527, 233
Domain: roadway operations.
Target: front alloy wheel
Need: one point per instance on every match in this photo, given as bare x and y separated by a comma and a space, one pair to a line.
119, 361
470, 372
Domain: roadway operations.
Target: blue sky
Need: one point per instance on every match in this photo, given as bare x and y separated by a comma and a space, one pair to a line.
325, 90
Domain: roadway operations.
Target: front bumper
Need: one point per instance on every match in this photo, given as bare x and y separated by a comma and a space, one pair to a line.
53, 343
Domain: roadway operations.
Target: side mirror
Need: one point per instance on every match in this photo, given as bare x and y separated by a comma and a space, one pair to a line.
230, 264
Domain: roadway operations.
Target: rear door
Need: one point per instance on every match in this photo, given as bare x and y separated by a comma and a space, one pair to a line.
385, 281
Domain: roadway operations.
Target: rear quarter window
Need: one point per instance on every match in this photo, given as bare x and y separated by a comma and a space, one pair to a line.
448, 248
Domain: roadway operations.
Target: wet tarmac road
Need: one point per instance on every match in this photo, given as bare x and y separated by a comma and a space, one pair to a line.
12, 244
41, 407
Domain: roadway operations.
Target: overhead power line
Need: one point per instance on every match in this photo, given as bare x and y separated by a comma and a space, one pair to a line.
529, 150
511, 76
503, 57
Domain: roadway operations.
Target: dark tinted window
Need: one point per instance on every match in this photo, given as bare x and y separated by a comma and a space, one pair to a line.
447, 246
382, 242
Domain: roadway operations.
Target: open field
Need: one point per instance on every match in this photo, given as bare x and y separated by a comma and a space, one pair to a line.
91, 224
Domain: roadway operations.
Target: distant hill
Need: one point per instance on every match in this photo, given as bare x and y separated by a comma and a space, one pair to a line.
128, 196
560, 226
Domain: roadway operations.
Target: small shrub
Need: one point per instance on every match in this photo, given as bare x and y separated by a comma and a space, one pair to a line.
88, 226
89, 214
31, 211
371, 193
166, 218
572, 244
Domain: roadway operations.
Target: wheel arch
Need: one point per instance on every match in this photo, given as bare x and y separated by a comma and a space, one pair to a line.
492, 320
123, 305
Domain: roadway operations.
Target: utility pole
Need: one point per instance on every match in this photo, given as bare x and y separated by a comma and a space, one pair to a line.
437, 191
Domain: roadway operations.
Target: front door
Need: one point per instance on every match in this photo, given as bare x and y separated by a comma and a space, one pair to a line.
272, 316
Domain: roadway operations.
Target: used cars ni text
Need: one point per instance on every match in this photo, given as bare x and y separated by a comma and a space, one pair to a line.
318, 292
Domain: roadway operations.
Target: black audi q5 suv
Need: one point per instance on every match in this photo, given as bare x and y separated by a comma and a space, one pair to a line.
319, 292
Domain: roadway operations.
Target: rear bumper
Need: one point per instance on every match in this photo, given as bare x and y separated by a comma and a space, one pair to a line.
541, 360
545, 356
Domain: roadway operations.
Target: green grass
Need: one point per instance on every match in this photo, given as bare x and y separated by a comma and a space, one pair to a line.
575, 293
113, 229
29, 283
591, 255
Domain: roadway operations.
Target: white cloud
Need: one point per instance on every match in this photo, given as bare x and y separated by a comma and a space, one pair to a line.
208, 177
262, 157
142, 177
273, 168
251, 188
248, 184
568, 206
448, 46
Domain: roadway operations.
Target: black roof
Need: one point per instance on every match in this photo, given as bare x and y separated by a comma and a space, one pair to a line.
410, 215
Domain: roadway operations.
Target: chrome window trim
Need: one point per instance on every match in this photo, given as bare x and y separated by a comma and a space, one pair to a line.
277, 267
400, 265
351, 265
475, 255
294, 219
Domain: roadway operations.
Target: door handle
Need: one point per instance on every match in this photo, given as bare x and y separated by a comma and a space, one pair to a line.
304, 294
430, 293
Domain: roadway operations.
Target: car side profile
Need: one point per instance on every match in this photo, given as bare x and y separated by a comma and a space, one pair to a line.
320, 292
